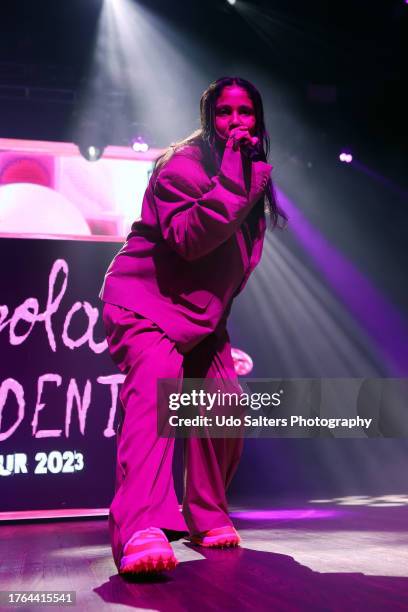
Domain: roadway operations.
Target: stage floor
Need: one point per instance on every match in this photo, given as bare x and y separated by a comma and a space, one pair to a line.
294, 557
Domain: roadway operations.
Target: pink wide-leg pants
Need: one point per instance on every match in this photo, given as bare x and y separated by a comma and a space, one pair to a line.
145, 495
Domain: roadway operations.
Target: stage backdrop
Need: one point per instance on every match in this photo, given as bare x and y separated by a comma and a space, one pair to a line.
62, 219
59, 387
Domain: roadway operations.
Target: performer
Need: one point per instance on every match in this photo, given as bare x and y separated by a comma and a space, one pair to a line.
167, 294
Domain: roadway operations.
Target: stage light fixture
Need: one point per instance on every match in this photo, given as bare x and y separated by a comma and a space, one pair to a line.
139, 145
231, 2
91, 152
346, 157
92, 136
141, 138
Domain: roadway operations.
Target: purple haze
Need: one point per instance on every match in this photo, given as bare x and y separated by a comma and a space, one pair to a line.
376, 315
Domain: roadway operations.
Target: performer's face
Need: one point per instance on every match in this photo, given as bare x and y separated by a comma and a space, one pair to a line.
234, 108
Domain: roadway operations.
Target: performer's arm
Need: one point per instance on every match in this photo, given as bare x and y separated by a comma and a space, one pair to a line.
194, 223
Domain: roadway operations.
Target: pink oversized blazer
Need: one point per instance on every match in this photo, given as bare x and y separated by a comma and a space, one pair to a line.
191, 251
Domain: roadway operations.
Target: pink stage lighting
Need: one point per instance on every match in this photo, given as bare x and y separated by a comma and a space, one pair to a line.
345, 157
139, 145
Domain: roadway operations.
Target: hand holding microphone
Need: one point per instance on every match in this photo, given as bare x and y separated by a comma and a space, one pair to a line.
240, 138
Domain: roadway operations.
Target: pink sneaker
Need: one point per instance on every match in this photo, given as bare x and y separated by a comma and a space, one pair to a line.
220, 536
147, 550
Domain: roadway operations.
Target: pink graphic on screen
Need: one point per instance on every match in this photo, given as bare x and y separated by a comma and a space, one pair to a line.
50, 189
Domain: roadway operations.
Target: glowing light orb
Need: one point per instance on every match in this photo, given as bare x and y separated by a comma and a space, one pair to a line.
346, 157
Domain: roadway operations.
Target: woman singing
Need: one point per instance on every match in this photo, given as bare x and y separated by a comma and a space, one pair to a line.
168, 293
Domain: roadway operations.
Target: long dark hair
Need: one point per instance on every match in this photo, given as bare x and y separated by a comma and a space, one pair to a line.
205, 138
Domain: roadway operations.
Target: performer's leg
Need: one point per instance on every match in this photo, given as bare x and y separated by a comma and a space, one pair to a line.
209, 463
145, 495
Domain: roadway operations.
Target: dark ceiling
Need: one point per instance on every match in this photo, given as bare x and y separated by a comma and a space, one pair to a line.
357, 47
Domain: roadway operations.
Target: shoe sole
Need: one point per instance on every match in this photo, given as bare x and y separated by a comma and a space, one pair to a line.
148, 562
216, 542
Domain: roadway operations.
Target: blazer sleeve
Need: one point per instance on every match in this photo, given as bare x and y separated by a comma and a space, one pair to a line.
194, 223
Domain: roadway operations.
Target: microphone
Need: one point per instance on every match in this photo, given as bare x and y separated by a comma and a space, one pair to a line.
250, 150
